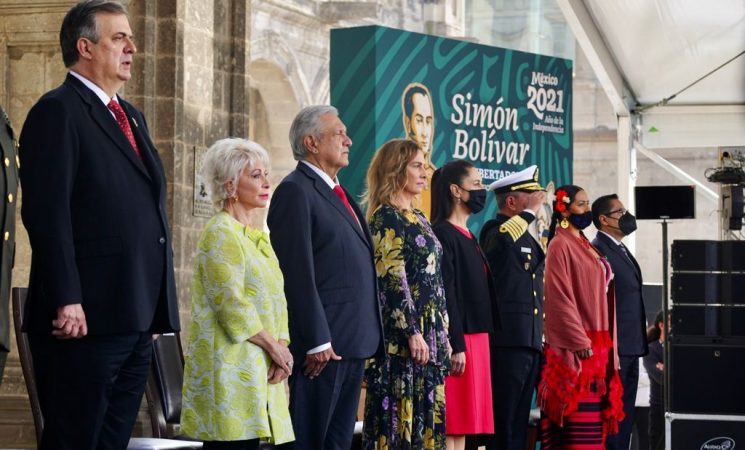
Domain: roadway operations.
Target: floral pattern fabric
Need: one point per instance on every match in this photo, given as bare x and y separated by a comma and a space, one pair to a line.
237, 291
405, 403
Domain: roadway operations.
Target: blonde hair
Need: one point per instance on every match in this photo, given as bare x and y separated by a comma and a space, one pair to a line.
386, 176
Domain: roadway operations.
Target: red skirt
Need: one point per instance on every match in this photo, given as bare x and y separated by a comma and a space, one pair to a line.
468, 402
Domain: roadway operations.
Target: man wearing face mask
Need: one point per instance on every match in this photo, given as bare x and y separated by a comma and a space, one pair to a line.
516, 261
614, 223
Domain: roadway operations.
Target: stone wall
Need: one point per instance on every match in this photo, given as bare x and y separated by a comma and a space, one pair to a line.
190, 77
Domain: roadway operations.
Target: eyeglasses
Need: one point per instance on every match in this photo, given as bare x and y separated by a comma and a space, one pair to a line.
622, 211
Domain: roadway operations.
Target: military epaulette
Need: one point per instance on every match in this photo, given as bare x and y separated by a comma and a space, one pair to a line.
516, 226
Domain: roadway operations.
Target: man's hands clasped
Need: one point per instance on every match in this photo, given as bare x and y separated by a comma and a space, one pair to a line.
70, 322
315, 362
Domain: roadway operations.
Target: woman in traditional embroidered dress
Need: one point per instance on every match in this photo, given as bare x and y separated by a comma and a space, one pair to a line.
580, 391
405, 404
237, 355
457, 193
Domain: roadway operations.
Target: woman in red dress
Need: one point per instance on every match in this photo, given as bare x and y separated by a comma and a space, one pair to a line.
580, 392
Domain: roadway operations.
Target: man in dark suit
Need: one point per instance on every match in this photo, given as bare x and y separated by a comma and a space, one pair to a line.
326, 255
8, 192
101, 270
614, 223
516, 261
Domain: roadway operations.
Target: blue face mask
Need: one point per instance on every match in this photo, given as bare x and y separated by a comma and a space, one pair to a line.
581, 221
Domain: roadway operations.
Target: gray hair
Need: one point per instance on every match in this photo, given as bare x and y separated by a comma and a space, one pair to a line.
307, 122
224, 161
80, 22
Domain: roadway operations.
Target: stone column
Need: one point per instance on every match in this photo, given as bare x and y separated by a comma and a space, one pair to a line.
192, 83
190, 78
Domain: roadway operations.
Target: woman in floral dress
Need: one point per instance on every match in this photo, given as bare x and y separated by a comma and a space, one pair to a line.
405, 404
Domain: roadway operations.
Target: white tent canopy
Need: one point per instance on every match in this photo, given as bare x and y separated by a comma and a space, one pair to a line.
644, 52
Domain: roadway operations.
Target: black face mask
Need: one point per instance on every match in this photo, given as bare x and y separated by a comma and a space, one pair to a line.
581, 221
476, 200
627, 223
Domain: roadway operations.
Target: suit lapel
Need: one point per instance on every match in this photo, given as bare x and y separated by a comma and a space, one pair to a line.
637, 269
361, 227
105, 120
147, 149
325, 191
626, 257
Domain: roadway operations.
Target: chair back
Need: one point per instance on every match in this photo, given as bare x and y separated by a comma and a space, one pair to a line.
165, 384
27, 365
18, 295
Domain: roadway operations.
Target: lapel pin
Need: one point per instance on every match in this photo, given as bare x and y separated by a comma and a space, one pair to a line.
134, 121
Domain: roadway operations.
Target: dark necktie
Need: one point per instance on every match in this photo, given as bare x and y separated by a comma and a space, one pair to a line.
343, 197
121, 119
625, 251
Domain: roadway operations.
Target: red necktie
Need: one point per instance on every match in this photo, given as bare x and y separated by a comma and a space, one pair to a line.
121, 119
343, 197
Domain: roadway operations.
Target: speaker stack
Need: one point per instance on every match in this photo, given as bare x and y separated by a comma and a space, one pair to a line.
706, 345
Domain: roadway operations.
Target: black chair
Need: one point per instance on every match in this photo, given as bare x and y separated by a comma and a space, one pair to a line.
18, 296
164, 386
27, 366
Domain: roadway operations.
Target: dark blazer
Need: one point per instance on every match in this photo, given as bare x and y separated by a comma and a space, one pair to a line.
469, 287
96, 217
326, 259
8, 197
516, 261
630, 314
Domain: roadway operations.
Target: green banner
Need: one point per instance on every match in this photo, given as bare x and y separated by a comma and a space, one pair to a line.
502, 110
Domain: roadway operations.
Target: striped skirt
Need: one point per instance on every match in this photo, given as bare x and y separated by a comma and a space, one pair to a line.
582, 430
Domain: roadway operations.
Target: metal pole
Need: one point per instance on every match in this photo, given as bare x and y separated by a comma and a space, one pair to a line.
665, 315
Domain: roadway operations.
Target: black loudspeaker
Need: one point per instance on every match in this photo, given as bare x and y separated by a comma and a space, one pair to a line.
706, 434
693, 255
700, 324
733, 255
708, 379
726, 288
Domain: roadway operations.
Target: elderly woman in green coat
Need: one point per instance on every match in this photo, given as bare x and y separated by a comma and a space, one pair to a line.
237, 355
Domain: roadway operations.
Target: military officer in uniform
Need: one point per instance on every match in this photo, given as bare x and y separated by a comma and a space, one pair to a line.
9, 190
516, 261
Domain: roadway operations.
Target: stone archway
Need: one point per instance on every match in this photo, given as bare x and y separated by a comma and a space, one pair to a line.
273, 105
